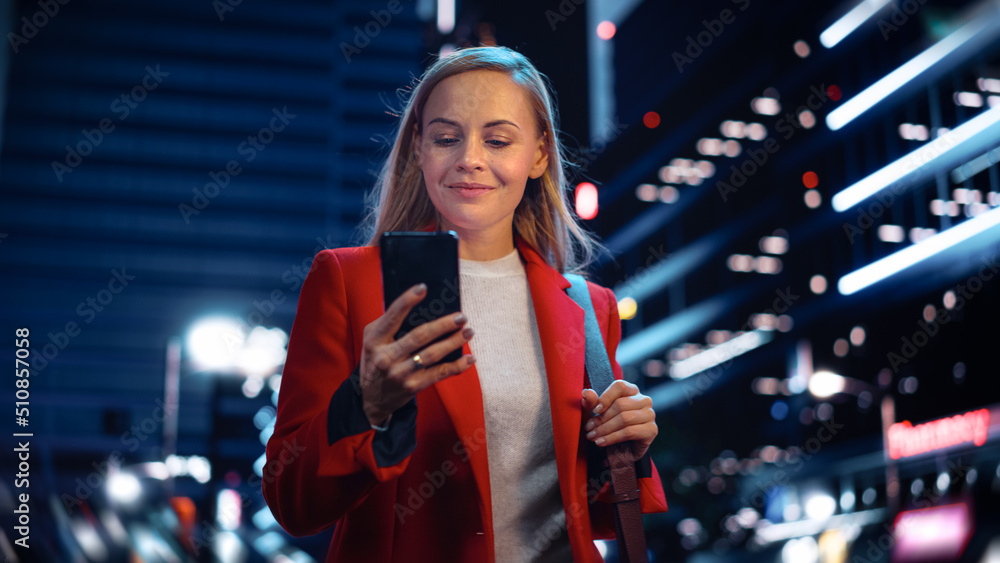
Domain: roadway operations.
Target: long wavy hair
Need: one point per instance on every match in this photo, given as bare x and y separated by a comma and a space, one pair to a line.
399, 200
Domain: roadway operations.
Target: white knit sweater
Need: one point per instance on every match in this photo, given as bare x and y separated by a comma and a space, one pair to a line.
528, 517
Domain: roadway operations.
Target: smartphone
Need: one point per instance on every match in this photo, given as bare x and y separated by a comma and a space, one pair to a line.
409, 258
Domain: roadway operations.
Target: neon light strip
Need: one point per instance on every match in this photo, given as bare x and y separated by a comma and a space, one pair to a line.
768, 534
898, 261
445, 16
922, 161
720, 354
850, 22
975, 166
898, 78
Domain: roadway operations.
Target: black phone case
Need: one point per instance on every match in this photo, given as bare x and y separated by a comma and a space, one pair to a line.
409, 258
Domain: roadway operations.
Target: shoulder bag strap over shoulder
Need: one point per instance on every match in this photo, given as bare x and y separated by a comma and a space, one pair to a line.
628, 515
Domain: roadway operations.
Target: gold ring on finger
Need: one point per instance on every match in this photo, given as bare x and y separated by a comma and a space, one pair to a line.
417, 361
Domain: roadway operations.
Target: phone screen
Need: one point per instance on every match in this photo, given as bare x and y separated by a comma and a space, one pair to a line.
409, 258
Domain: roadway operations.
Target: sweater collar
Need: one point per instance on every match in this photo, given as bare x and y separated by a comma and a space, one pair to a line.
531, 257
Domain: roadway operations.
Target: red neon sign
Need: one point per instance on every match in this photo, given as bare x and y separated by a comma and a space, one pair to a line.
906, 440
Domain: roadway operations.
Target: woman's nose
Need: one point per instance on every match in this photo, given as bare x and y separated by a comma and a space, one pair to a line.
472, 157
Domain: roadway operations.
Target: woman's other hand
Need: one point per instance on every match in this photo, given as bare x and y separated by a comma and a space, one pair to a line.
389, 376
620, 414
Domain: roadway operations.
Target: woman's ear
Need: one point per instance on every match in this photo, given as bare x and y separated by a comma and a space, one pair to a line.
541, 158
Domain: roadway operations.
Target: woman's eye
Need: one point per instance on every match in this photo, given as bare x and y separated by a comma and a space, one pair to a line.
445, 141
498, 144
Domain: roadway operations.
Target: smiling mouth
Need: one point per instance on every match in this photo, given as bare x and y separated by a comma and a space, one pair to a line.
471, 190
471, 187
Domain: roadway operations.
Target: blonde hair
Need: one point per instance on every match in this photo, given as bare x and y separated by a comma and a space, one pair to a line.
399, 200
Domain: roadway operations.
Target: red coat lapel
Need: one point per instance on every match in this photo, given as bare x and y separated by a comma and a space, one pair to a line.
463, 399
560, 325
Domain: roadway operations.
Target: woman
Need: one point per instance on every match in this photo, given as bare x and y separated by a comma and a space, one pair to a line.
494, 456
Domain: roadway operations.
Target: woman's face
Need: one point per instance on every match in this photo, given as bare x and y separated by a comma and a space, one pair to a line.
479, 144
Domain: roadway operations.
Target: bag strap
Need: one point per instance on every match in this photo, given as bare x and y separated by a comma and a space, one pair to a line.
625, 487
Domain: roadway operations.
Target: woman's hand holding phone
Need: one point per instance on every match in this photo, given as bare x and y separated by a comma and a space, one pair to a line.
389, 376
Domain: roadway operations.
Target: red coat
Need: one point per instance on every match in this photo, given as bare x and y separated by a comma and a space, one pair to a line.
421, 491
